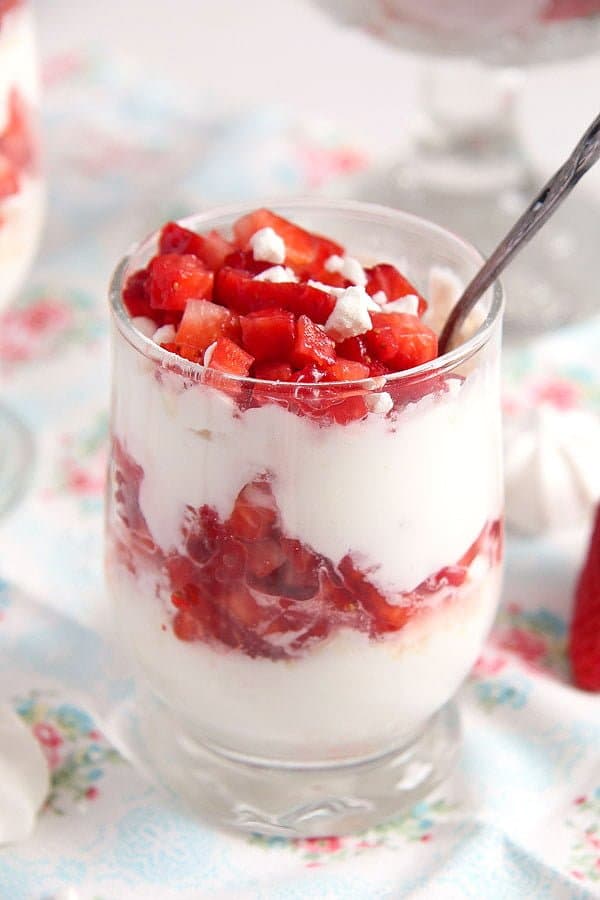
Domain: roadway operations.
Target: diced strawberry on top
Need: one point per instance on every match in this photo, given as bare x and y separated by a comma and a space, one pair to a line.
385, 277
135, 295
269, 334
400, 340
303, 248
229, 358
239, 291
245, 262
312, 345
346, 370
176, 278
203, 323
212, 248
273, 371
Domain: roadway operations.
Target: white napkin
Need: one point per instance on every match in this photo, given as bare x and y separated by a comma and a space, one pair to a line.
24, 778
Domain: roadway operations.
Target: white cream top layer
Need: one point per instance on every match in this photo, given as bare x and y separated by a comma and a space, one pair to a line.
407, 493
17, 58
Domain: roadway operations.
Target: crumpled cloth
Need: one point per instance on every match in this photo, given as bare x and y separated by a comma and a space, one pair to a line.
520, 815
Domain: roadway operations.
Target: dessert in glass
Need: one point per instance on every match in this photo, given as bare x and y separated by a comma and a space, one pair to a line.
21, 201
304, 525
466, 166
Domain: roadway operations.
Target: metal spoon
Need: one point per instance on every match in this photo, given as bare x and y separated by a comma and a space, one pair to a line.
583, 157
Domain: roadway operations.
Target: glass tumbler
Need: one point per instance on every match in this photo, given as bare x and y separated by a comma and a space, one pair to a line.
305, 573
21, 203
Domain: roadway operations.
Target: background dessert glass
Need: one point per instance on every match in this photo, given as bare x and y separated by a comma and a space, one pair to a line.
21, 202
304, 574
466, 167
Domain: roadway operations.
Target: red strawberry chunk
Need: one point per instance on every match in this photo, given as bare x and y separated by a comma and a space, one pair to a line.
385, 277
203, 323
187, 627
354, 348
135, 295
238, 291
17, 141
273, 371
264, 558
254, 513
387, 617
346, 370
211, 248
312, 346
400, 340
228, 357
243, 261
9, 177
584, 639
303, 248
176, 278
269, 334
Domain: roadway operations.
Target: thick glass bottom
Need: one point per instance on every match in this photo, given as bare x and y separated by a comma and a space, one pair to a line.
16, 454
274, 798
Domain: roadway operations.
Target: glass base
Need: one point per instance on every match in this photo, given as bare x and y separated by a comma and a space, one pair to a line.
16, 454
551, 283
279, 798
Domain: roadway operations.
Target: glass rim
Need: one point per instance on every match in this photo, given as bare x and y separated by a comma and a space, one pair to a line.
440, 365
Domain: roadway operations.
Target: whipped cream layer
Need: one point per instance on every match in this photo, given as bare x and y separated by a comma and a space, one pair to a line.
350, 696
405, 493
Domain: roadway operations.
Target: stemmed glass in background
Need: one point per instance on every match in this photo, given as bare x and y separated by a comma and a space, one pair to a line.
467, 169
21, 203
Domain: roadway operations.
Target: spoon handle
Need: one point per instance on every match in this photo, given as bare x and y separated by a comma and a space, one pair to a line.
583, 157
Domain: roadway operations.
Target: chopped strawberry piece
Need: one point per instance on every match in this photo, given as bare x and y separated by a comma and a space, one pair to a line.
17, 141
269, 334
264, 557
400, 340
312, 346
187, 627
243, 261
387, 616
135, 294
347, 410
254, 513
449, 576
303, 248
228, 357
584, 639
309, 375
238, 291
9, 177
203, 323
385, 277
354, 348
241, 606
176, 278
273, 371
211, 248
346, 370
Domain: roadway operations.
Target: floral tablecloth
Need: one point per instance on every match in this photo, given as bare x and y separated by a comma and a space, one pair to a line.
520, 816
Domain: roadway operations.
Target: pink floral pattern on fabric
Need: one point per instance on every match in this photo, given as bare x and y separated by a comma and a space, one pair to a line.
585, 852
76, 752
417, 826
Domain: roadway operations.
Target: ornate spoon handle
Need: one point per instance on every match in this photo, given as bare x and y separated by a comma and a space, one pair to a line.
583, 157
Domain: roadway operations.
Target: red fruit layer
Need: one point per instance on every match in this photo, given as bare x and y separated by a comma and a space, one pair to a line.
280, 326
243, 583
18, 145
584, 642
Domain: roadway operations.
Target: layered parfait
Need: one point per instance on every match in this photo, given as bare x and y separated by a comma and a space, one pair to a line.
304, 525
21, 196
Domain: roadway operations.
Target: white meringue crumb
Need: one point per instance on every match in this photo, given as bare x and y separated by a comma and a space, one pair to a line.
380, 297
348, 267
379, 403
277, 274
208, 353
408, 304
328, 288
145, 325
350, 316
267, 246
164, 335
